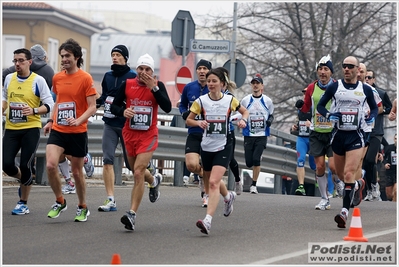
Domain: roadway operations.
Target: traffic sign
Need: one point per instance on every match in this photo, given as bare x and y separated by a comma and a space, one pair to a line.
240, 73
183, 77
183, 29
210, 46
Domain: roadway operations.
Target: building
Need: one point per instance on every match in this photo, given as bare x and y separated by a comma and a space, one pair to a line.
28, 23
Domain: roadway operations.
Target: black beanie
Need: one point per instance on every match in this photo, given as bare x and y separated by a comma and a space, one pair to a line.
122, 50
204, 63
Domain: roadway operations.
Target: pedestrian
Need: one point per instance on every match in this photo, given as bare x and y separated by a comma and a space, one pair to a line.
76, 102
112, 132
229, 90
137, 100
260, 108
186, 172
191, 92
376, 135
216, 144
320, 130
39, 66
302, 130
25, 97
348, 97
390, 163
367, 133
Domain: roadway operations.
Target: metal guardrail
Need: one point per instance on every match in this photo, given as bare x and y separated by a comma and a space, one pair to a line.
276, 159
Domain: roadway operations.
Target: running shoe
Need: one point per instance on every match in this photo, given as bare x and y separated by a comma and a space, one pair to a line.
128, 220
205, 201
68, 189
300, 191
151, 168
253, 189
201, 186
205, 227
154, 193
228, 205
238, 188
340, 186
324, 204
109, 205
185, 180
358, 195
56, 209
369, 196
88, 165
20, 209
341, 218
375, 191
81, 214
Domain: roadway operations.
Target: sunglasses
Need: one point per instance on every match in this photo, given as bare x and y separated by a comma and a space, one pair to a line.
349, 66
369, 77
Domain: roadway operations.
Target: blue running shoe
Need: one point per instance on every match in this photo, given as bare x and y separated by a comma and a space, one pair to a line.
20, 209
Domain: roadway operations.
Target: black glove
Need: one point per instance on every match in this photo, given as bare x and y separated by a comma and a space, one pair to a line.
335, 116
269, 120
299, 103
185, 114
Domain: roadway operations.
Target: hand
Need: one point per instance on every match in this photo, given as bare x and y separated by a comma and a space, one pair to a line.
299, 103
185, 114
335, 116
369, 121
268, 123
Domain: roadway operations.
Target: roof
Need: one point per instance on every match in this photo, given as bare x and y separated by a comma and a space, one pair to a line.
23, 10
157, 45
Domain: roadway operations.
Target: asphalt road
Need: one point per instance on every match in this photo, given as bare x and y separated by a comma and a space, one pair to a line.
263, 229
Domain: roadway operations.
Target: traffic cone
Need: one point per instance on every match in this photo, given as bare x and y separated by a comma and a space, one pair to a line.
355, 231
116, 259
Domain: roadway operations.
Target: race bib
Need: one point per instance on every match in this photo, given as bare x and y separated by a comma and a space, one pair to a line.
107, 107
303, 129
393, 157
322, 122
257, 123
15, 112
65, 110
216, 126
142, 120
349, 119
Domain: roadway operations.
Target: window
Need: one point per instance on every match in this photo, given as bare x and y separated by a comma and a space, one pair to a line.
52, 54
10, 44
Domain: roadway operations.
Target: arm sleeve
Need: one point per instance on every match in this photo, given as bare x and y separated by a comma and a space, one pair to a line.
100, 101
118, 106
370, 101
162, 98
183, 107
327, 96
387, 104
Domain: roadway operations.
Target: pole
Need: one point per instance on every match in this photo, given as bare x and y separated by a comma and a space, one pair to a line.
233, 45
184, 41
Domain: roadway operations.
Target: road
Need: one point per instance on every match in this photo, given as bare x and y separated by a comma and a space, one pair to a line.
263, 229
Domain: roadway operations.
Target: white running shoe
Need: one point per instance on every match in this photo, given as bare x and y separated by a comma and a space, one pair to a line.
324, 204
205, 199
238, 188
369, 196
68, 189
253, 189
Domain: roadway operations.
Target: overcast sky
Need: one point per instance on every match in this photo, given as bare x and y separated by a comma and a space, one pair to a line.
164, 9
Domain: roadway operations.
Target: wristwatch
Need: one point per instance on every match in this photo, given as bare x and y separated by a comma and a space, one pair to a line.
36, 111
155, 88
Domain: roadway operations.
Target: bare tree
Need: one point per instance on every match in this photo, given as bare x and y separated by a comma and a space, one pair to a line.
283, 42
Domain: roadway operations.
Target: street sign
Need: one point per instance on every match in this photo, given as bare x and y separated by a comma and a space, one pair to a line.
240, 73
210, 46
183, 29
183, 77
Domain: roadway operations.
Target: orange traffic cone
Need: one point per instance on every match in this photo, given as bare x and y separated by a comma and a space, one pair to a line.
116, 259
355, 231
